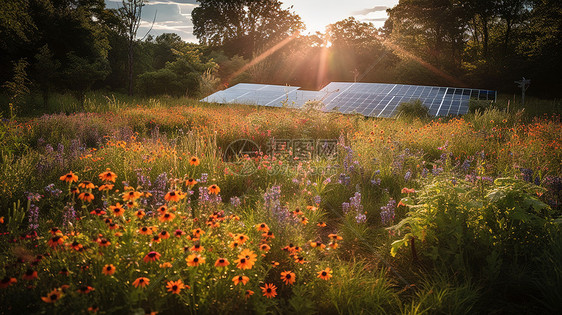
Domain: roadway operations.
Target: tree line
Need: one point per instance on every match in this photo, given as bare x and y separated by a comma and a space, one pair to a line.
75, 46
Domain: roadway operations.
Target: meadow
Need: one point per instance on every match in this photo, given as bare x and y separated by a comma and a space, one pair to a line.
131, 206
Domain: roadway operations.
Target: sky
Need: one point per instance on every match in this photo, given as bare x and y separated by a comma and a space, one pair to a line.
174, 16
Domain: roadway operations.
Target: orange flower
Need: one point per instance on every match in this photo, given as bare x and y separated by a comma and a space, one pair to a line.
262, 227
321, 224
141, 282
233, 244
288, 277
194, 161
408, 190
195, 260
241, 238
265, 248
86, 196
30, 275
52, 296
269, 291
97, 212
197, 232
145, 230
105, 187
55, 231
179, 233
131, 204
304, 220
317, 244
55, 241
87, 184
325, 274
131, 195
108, 270
221, 262
173, 196
76, 246
244, 263
196, 248
191, 182
166, 217
74, 190
239, 279
248, 294
333, 244
152, 256
311, 208
85, 289
7, 281
176, 286
156, 239
117, 210
214, 189
69, 178
267, 235
164, 235
165, 265
103, 242
335, 237
140, 214
108, 175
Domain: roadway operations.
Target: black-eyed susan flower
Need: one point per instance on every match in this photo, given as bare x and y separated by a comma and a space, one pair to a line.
86, 196
288, 277
268, 235
166, 217
241, 238
131, 204
274, 263
166, 265
93, 309
145, 230
117, 210
197, 233
194, 161
222, 262
74, 190
196, 248
7, 281
195, 260
87, 185
97, 212
152, 256
262, 227
265, 248
108, 175
105, 187
244, 263
140, 214
335, 237
69, 178
191, 182
162, 209
214, 189
164, 235
321, 224
113, 226
325, 274
234, 244
55, 231
248, 293
103, 242
333, 244
173, 196
141, 282
178, 233
176, 286
52, 296
55, 241
29, 275
131, 195
156, 239
317, 245
304, 220
108, 270
240, 279
85, 289
269, 290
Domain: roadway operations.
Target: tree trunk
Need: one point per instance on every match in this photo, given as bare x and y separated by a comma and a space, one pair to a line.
130, 67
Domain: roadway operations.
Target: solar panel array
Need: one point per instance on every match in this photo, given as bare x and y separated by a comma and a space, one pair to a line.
369, 99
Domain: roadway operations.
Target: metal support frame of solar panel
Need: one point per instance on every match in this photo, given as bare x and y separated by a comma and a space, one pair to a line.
382, 100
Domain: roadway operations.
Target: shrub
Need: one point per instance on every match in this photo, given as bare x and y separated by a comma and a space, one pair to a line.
413, 109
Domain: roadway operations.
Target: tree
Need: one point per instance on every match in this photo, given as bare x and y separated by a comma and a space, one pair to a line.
243, 27
130, 13
45, 70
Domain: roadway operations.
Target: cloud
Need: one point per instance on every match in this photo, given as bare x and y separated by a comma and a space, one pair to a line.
366, 11
375, 19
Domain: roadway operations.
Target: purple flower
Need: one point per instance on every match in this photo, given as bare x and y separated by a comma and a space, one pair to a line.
235, 201
387, 212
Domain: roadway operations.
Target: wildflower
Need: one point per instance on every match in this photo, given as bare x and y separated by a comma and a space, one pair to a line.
196, 248
248, 254
86, 196
321, 224
333, 244
267, 235
7, 281
74, 190
55, 231
194, 161
288, 277
131, 195
166, 217
243, 263
241, 238
274, 264
194, 260
64, 272
85, 289
156, 239
30, 275
408, 190
214, 189
191, 182
105, 187
76, 246
140, 214
164, 235
97, 212
103, 242
145, 230
108, 175
265, 248
152, 256
69, 178
108, 270
325, 274
131, 204
117, 210
175, 286
166, 265
162, 209
141, 282
52, 296
269, 290
87, 185
93, 309
173, 196
335, 237
221, 262
239, 279
197, 233
248, 293
317, 244
179, 233
262, 227
304, 221
233, 244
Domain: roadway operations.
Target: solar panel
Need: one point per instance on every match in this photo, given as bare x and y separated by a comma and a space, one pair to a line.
368, 99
